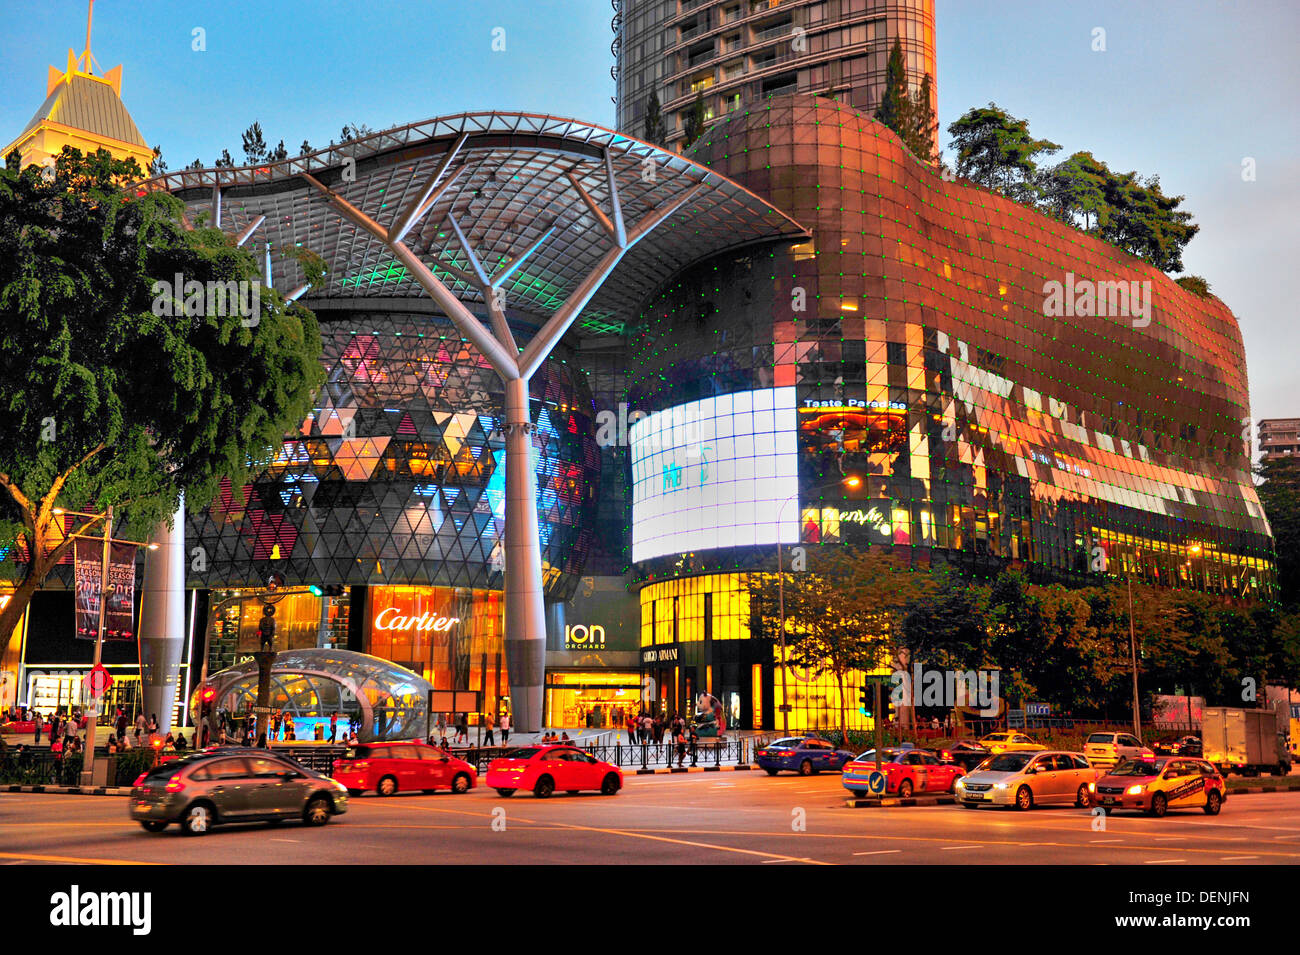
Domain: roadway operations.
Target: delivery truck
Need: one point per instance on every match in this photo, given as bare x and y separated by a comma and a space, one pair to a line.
1249, 742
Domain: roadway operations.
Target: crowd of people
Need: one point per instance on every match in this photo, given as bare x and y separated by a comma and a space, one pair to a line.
661, 729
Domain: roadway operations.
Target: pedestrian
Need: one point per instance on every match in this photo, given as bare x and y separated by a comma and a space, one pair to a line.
442, 724
680, 739
141, 723
153, 724
39, 721
488, 738
207, 736
55, 721
505, 729
695, 746
334, 727
646, 723
181, 745
112, 744
261, 742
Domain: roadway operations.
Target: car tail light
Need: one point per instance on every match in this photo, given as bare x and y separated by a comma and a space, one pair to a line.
139, 779
361, 765
174, 785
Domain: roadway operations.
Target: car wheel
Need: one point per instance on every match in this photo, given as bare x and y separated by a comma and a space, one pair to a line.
545, 786
153, 825
460, 784
197, 820
905, 789
1159, 805
317, 812
609, 785
805, 768
770, 772
1082, 797
859, 793
952, 786
507, 793
1024, 798
387, 786
1213, 803
355, 792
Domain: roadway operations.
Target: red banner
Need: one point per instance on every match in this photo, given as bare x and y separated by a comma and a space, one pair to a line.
119, 621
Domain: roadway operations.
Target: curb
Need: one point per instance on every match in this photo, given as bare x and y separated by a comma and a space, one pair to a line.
891, 801
1245, 790
70, 790
664, 771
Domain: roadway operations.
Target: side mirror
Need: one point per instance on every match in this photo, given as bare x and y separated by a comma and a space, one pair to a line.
445, 759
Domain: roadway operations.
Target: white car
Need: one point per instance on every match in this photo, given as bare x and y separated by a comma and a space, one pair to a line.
1025, 780
1110, 749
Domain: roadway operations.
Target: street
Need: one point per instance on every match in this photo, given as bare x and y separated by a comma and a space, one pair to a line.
726, 817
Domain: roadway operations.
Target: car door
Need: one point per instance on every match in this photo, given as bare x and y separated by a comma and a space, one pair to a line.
1045, 781
940, 774
935, 775
277, 789
228, 782
432, 768
551, 763
1127, 747
916, 768
1188, 787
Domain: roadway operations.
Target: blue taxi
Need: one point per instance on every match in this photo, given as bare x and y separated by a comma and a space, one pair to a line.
804, 755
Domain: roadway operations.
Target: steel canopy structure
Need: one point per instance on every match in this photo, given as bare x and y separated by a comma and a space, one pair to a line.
512, 213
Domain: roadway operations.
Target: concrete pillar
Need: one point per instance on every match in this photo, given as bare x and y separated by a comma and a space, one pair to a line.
162, 620
525, 640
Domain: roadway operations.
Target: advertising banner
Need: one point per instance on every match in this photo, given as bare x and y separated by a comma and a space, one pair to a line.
119, 620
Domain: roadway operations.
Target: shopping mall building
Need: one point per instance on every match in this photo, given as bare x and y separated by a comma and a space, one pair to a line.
794, 300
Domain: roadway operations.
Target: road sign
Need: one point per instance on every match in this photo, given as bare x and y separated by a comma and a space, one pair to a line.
1038, 709
876, 783
262, 711
97, 681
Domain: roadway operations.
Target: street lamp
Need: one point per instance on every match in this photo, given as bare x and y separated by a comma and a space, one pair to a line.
852, 481
88, 766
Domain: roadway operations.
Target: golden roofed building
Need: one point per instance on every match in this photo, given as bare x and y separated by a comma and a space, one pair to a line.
83, 110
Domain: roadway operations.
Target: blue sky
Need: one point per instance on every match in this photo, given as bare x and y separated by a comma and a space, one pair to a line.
1185, 89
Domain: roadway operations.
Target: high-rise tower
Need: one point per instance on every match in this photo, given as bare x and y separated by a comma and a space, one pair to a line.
736, 52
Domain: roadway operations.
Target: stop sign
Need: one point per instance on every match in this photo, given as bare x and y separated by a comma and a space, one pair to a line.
97, 681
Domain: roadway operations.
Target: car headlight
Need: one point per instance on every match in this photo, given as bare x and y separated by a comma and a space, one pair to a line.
1092, 787
961, 784
1135, 790
999, 785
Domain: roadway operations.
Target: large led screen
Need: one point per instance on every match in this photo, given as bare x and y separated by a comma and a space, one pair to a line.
721, 472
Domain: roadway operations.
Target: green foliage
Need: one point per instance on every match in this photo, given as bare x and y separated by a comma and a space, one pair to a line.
693, 127
1074, 189
653, 130
107, 401
1143, 221
255, 150
1195, 284
1279, 492
995, 150
908, 114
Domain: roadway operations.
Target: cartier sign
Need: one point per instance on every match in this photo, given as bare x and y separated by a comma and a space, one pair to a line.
390, 618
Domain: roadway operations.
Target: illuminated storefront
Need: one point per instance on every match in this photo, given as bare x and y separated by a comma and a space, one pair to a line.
592, 676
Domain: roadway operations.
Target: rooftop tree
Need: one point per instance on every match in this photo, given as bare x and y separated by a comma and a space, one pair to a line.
108, 399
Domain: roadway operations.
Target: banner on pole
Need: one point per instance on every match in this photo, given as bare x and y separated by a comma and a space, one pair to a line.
119, 620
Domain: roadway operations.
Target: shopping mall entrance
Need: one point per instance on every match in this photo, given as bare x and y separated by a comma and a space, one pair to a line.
591, 699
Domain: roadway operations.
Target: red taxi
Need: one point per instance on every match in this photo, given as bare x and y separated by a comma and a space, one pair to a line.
407, 766
907, 771
544, 769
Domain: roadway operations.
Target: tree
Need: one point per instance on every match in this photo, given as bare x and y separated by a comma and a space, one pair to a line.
1143, 221
1195, 284
225, 159
1279, 493
947, 627
255, 150
920, 132
1074, 188
353, 131
653, 129
158, 166
895, 109
995, 150
693, 127
109, 401
279, 152
844, 613
305, 148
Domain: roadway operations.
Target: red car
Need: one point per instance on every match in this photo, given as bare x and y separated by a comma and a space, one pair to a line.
907, 771
409, 766
544, 769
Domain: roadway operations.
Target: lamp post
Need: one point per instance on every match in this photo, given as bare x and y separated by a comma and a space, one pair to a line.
88, 765
1132, 649
850, 481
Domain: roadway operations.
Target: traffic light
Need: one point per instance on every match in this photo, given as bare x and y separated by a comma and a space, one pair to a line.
865, 695
208, 694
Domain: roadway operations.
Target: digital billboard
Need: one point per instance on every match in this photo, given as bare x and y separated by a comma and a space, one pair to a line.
719, 472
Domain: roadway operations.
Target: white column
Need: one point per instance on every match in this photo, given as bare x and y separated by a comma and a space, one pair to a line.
525, 641
162, 620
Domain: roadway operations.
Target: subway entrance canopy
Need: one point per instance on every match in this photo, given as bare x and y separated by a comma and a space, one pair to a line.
490, 215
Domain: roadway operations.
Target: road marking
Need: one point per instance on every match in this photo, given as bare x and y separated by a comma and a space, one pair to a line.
74, 860
1235, 858
878, 852
950, 848
286, 840
1169, 837
1160, 861
1095, 841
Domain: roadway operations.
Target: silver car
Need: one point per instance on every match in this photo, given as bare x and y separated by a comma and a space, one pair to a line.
233, 785
1025, 780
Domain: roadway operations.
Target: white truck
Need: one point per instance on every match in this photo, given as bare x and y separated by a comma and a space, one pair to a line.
1249, 742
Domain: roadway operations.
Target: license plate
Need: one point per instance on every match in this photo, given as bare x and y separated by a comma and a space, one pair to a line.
1108, 800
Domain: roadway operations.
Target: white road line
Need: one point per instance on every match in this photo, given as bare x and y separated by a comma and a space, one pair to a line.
950, 848
1160, 861
878, 852
1235, 858
286, 840
1170, 837
1106, 840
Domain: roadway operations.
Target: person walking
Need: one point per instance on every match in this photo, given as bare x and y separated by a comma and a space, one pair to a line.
120, 724
40, 722
505, 729
694, 746
488, 738
334, 726
680, 740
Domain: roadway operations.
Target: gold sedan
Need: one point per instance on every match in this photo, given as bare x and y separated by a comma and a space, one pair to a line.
1010, 742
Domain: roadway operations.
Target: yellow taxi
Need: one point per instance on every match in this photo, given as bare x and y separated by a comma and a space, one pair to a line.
1159, 784
1010, 741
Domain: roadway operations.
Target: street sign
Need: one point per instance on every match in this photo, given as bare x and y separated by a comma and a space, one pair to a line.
876, 782
262, 711
881, 678
1038, 709
785, 708
97, 681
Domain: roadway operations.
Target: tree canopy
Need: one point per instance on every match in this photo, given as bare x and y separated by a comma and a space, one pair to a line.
119, 389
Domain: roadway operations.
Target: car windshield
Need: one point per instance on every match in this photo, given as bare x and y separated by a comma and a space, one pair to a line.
1007, 763
526, 753
996, 737
1138, 767
790, 743
358, 752
869, 756
1100, 738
